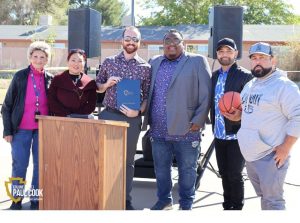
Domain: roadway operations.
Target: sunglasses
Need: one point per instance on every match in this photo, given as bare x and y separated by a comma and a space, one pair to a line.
129, 38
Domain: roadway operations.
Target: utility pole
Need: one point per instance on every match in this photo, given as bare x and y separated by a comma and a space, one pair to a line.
132, 13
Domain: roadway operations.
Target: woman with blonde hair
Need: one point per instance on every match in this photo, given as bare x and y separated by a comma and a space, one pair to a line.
26, 97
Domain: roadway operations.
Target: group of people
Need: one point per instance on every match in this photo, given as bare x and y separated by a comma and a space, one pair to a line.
260, 135
178, 91
33, 91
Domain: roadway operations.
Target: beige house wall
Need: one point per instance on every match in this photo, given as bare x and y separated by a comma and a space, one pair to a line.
13, 54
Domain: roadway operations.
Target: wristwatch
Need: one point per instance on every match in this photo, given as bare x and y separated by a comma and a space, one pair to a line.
140, 112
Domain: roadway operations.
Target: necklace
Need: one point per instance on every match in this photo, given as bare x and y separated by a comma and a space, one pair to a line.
75, 78
78, 92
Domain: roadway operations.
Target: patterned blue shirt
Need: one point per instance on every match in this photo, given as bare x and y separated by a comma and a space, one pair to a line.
158, 112
219, 130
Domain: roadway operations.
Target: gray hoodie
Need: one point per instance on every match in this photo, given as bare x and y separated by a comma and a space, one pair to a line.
270, 113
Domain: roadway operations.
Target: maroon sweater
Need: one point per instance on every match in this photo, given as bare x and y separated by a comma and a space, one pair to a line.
64, 97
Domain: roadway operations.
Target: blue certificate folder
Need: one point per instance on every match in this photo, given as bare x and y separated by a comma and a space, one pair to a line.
129, 93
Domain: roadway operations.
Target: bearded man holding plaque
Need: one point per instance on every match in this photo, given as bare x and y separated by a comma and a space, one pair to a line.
126, 80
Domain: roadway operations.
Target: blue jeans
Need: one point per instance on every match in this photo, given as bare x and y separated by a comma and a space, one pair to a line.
23, 141
186, 154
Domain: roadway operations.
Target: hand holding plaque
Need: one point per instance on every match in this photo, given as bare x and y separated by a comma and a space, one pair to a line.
129, 93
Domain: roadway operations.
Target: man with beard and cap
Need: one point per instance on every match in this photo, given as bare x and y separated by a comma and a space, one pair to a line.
127, 65
230, 77
270, 126
177, 109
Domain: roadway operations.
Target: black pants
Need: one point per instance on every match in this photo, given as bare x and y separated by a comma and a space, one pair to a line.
231, 163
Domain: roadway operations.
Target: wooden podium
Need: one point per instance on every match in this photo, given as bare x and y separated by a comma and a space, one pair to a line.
82, 163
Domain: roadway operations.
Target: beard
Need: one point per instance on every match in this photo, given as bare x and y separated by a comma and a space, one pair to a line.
226, 61
130, 50
260, 72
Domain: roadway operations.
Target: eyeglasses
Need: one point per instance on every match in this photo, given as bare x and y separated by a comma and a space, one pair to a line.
129, 38
169, 41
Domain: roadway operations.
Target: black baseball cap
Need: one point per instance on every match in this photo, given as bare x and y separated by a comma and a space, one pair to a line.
226, 42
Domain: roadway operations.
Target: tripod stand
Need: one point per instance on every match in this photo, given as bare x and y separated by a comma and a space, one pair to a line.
202, 164
144, 162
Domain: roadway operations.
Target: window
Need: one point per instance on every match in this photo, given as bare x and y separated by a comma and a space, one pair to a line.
59, 45
155, 50
197, 48
158, 48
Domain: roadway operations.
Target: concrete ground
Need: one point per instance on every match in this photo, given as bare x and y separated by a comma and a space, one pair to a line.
208, 197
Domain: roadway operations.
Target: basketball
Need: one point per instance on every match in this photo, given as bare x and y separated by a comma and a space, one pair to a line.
228, 100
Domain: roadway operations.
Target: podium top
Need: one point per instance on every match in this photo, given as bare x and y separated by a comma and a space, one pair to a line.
95, 121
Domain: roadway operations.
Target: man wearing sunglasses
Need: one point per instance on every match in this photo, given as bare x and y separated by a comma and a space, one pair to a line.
126, 65
177, 109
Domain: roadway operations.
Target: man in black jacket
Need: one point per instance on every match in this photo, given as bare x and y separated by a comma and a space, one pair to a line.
230, 77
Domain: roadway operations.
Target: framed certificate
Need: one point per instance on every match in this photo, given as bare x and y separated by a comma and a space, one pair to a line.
129, 93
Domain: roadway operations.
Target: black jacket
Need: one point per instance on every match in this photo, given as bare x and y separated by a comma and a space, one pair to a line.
236, 80
14, 102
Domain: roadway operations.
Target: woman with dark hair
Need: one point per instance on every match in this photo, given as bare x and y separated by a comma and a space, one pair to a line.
25, 98
72, 92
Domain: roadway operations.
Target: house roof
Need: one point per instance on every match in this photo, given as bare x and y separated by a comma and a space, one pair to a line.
20, 32
270, 33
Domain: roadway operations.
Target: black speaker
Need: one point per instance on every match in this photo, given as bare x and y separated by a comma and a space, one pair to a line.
225, 21
84, 31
